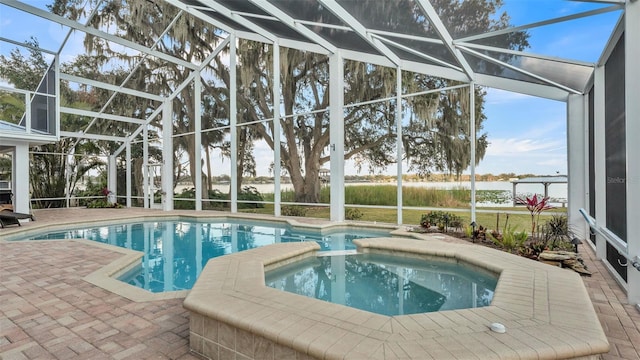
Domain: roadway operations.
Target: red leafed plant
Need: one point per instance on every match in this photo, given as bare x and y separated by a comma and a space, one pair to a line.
535, 206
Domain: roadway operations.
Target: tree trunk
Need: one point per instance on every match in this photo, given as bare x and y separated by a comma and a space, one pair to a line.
138, 179
208, 157
242, 139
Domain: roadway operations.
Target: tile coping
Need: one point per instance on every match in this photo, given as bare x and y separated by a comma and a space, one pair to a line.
546, 310
35, 228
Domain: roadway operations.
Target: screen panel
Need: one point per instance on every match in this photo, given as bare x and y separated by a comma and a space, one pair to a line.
615, 152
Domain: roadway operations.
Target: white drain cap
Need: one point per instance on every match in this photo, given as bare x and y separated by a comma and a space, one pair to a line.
499, 328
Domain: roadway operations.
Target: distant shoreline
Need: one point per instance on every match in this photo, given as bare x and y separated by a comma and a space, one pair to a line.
557, 192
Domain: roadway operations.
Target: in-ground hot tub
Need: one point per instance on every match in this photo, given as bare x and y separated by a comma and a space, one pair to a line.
546, 312
386, 284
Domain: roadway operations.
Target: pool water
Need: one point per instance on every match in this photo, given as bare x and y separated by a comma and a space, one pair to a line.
176, 251
387, 285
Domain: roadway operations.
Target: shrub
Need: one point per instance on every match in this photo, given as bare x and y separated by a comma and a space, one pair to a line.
555, 234
443, 220
293, 211
250, 193
98, 204
510, 239
468, 231
352, 214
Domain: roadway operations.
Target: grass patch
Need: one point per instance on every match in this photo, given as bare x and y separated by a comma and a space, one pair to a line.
386, 195
410, 217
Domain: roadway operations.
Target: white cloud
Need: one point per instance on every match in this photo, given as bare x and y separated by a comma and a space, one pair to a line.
521, 147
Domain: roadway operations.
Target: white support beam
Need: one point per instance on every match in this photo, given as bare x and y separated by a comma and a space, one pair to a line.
578, 169
68, 110
360, 29
95, 32
87, 20
145, 166
443, 33
240, 19
199, 14
242, 34
20, 173
543, 23
517, 69
285, 19
67, 175
58, 95
197, 138
182, 86
632, 128
276, 129
336, 136
233, 121
128, 172
618, 30
190, 78
301, 45
26, 45
213, 54
137, 131
600, 161
399, 145
82, 135
102, 85
136, 67
472, 139
167, 156
422, 68
524, 53
418, 53
522, 87
112, 175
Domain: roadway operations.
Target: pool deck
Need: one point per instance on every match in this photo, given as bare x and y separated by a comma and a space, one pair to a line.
49, 311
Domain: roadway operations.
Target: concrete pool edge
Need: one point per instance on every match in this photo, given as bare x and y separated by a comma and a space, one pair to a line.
121, 217
546, 310
107, 276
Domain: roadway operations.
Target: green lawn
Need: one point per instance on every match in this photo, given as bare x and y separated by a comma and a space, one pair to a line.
520, 221
386, 195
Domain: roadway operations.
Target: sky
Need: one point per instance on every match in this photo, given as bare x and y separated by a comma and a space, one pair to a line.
526, 134
529, 134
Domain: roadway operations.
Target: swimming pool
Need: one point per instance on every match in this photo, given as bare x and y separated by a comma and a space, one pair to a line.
174, 252
385, 284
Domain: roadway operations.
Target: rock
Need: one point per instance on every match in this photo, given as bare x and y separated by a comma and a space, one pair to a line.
551, 262
565, 259
580, 269
571, 254
557, 255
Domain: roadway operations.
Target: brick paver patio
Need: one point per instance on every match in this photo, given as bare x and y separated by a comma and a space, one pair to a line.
619, 319
49, 312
